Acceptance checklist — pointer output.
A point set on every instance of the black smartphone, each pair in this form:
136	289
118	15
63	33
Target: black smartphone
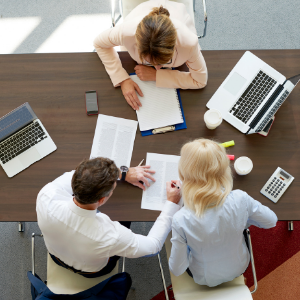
91	103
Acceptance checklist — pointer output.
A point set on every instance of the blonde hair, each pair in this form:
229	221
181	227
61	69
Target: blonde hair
156	37
205	174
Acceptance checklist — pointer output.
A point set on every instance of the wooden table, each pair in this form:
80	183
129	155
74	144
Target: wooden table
54	85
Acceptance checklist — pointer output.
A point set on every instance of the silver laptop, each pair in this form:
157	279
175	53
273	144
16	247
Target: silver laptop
251	94
23	140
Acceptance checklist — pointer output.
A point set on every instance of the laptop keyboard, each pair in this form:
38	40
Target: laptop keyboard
272	112
253	96
21	141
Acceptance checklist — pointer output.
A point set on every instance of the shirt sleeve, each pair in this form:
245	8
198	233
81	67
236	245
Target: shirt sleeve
104	44
133	245
196	78
259	215
179	258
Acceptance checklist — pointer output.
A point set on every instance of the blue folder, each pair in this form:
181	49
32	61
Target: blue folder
177	126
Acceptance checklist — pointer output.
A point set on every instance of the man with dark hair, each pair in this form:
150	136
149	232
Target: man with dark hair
86	241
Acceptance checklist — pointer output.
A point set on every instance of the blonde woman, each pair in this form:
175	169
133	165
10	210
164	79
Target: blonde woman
207	233
157	33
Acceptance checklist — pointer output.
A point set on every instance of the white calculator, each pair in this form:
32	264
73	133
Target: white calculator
277	185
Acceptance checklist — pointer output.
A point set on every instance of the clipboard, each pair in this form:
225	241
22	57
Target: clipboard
174	127
168	128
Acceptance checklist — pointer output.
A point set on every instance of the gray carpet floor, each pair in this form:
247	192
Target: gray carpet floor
264	24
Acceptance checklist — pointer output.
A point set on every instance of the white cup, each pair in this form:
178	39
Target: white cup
243	165
212	118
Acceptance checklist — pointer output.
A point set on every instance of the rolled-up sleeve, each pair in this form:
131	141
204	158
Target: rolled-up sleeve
133	245
258	214
104	44
196	78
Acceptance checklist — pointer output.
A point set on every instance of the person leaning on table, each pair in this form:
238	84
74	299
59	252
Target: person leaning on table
159	33
86	241
207	233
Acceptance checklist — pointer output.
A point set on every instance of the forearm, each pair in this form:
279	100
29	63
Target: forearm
181	80
134	245
259	215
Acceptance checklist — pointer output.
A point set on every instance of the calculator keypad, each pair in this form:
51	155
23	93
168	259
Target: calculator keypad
275	187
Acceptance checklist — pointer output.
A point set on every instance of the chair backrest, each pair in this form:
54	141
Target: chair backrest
129	5
63	281
185	288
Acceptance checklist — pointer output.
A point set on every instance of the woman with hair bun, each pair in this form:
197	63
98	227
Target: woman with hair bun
208	233
157	33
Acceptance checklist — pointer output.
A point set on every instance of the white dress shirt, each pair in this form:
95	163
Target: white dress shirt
85	239
213	247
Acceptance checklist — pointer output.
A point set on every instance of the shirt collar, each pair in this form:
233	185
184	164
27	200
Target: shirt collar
80	211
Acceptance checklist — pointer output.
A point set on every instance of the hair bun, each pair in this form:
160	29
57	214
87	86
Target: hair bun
159	11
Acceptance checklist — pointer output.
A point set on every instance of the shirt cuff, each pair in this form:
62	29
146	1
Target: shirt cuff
170	208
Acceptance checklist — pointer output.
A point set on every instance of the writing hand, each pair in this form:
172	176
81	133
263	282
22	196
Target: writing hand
173	193
129	88
145	73
137	174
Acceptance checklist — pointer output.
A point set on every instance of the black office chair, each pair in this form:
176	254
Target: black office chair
64	283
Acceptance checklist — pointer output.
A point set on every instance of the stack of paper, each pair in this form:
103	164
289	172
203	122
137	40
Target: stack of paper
160	106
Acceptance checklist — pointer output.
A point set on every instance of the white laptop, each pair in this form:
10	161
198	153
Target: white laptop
23	140
251	94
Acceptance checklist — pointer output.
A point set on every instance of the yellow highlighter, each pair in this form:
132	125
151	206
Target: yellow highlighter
227	144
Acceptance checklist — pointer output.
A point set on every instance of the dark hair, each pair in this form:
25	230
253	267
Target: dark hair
156	36
94	179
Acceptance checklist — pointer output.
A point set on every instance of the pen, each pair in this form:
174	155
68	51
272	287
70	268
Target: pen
139	166
174	184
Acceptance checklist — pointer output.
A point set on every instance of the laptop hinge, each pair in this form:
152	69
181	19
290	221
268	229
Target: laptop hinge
266	107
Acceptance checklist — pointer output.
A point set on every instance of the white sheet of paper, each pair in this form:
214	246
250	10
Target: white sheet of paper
166	169
160	106
114	138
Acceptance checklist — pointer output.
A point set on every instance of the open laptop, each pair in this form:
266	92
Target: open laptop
251	94
23	140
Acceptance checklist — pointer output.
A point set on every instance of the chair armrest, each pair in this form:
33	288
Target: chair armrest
205	21
32	251
113	12
252	261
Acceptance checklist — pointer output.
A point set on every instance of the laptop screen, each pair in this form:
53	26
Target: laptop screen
15	120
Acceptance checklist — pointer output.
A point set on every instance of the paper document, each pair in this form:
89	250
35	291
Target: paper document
160	106
114	138
166	169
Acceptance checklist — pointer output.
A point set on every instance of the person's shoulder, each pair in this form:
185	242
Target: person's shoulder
185	37
237	197
48	190
182	215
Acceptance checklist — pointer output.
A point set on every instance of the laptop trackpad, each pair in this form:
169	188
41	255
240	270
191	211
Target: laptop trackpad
234	83
29	157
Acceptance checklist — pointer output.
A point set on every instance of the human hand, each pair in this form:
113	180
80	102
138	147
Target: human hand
145	73
129	88
173	193
137	174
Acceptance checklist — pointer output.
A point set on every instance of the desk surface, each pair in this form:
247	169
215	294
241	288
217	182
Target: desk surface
54	85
